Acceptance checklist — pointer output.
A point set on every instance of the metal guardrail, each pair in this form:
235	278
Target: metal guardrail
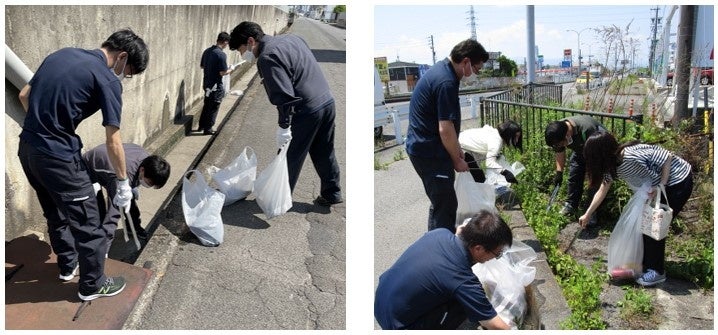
383	115
530	104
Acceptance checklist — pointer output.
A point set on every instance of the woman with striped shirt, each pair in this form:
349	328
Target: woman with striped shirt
638	164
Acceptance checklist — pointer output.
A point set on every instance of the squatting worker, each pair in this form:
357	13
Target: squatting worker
143	169
70	85
214	65
432	285
295	84
572	132
434	124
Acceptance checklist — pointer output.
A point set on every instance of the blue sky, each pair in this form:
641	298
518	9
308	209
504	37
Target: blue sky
404	31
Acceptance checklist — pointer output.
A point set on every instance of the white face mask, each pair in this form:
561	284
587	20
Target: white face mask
144	183
122	72
469	78
248	55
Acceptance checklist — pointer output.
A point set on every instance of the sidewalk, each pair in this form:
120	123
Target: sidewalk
34	297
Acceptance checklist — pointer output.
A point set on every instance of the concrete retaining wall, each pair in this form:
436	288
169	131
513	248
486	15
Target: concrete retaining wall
169	89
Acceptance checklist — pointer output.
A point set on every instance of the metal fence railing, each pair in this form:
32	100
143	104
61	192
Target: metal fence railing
534	105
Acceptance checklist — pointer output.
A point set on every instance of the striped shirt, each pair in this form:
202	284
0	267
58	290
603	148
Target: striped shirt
644	163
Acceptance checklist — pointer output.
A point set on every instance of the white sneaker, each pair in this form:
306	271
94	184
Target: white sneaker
71	275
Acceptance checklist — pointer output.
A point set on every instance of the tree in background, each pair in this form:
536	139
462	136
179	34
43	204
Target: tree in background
507	68
340	9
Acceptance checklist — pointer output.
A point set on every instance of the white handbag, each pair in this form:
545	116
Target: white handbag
657	217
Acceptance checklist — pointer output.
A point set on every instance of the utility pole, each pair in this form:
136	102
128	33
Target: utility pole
654	41
431	45
684	54
472	23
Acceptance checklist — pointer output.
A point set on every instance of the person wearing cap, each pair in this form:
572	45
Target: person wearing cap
486	144
295	84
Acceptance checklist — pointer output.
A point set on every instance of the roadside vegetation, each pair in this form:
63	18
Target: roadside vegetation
689	250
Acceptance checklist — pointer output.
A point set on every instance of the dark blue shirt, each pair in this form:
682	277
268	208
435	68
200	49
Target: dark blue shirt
435	98
431	272
213	61
70	85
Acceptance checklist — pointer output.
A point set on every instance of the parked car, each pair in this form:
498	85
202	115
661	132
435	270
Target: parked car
706	77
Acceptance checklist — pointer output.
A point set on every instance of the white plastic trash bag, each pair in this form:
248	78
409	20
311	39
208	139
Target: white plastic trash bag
274	196
236	180
472	197
493	176
505	281
625	246
202	208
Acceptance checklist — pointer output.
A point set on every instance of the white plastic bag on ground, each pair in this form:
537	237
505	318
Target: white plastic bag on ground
625	246
236	180
274	196
202	209
505	281
472	197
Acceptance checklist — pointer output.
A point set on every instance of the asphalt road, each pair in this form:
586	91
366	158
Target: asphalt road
284	273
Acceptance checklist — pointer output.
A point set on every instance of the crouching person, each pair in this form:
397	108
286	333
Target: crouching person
432	286
143	169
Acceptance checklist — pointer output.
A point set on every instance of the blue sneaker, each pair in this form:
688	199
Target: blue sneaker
651	278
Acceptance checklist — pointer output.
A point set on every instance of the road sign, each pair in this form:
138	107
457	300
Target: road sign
382	66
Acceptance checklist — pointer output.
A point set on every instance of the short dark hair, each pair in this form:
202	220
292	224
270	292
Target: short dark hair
487	229
223	37
469	48
126	40
242	32
555	132
157	169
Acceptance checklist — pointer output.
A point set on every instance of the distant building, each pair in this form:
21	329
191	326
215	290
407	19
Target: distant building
403	76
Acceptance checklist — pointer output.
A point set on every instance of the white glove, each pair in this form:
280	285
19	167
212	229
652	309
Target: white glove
124	195
283	136
96	187
136	193
232	67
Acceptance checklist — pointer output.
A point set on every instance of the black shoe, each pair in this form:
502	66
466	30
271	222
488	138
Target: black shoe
209	132
326	203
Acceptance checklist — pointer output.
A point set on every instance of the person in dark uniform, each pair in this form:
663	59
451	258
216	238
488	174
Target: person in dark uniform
70	85
572	132
434	124
214	64
143	169
432	285
295	84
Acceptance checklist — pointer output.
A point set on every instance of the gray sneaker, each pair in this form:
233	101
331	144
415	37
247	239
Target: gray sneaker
651	278
112	286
